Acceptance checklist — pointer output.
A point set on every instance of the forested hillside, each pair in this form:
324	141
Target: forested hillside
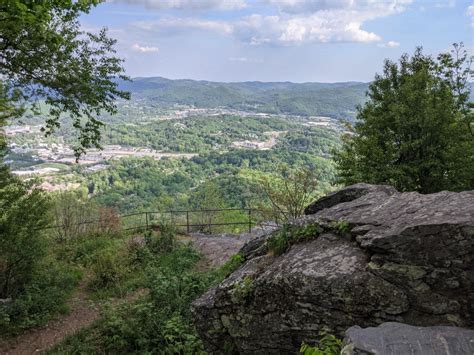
307	99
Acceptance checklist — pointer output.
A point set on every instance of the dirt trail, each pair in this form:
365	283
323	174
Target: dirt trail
216	250
82	313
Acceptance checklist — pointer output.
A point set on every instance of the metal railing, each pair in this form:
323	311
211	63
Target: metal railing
186	221
204	220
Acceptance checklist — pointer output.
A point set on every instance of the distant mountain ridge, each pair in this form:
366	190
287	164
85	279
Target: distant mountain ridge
338	100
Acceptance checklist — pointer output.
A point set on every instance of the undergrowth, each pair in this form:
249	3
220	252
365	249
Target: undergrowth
42	298
290	234
159	321
328	345
229	267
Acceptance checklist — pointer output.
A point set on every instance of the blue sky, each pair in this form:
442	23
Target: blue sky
278	40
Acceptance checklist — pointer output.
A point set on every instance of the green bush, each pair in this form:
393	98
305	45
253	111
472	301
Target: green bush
108	268
229	267
328	345
82	250
22	244
34	285
164	241
158	322
289	234
42	298
341	227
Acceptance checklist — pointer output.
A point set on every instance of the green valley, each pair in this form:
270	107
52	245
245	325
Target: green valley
158	156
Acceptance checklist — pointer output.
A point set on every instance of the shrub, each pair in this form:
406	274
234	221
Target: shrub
328	345
73	215
290	234
43	297
164	242
229	267
287	193
137	251
82	250
180	338
109	221
108	268
158	322
22	244
282	239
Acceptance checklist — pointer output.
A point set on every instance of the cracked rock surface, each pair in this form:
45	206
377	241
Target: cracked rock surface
406	258
396	338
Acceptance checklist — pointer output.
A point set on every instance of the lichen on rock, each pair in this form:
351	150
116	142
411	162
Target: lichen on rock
402	257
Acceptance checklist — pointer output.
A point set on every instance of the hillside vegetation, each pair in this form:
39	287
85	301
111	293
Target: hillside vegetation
204	145
307	99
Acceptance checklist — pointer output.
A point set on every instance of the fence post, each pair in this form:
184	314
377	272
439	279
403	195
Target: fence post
146	217
250	220
187	221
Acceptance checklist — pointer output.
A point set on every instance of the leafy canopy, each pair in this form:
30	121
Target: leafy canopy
22	215
415	132
46	57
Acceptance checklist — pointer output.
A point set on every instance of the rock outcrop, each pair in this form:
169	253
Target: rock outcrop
384	256
396	338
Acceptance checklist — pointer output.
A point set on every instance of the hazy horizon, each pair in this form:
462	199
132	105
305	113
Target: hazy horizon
254	81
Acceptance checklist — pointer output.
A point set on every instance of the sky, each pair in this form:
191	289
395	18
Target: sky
277	40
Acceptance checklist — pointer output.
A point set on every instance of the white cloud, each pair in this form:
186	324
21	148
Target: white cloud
389	44
446	4
299	21
245	60
336	24
187	4
470	12
144	49
179	24
311	6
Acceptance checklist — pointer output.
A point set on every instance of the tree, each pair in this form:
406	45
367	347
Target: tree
45	57
208	198
287	194
22	215
415	132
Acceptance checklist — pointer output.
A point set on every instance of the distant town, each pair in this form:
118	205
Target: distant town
50	157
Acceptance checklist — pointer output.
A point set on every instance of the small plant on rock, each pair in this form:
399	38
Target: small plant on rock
230	266
341	227
328	345
288	235
243	290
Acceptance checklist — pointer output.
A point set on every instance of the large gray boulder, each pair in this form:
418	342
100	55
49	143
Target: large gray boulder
396	338
405	257
347	194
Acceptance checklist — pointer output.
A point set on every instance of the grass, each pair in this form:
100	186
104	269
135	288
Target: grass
289	234
108	263
45	296
158	321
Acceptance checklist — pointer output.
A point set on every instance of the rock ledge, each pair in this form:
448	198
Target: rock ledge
407	258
